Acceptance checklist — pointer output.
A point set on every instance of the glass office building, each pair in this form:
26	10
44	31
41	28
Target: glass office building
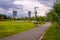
14	14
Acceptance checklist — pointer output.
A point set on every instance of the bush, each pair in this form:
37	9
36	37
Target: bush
2	17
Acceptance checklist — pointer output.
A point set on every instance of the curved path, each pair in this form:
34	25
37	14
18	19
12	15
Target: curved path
33	34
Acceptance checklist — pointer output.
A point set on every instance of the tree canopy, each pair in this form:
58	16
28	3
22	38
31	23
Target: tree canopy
2	17
54	15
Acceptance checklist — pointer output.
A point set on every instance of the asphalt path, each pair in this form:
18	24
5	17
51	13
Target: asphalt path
33	34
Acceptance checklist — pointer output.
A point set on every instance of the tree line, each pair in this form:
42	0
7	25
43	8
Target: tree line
54	15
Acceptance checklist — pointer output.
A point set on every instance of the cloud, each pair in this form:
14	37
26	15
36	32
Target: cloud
29	6
49	3
7	6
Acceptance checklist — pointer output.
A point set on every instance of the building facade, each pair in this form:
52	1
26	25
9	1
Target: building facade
14	14
29	14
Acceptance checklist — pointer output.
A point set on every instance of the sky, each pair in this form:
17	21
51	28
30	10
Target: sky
23	6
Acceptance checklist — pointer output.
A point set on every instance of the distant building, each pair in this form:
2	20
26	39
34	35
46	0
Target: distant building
29	14
14	14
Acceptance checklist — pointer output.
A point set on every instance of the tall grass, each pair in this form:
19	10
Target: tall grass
52	34
8	28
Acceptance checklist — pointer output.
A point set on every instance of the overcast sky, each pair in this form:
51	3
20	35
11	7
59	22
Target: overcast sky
7	6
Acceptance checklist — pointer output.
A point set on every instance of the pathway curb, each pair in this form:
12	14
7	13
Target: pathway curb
34	34
43	34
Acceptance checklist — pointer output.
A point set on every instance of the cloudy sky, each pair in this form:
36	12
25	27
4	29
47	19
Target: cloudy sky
22	6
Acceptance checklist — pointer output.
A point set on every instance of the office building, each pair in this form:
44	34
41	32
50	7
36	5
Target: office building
29	14
14	14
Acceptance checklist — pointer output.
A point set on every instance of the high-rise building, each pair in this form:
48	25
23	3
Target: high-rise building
14	14
29	14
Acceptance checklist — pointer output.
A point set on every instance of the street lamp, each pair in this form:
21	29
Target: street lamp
36	16
36	11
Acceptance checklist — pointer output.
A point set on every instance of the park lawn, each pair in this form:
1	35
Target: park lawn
8	28
52	34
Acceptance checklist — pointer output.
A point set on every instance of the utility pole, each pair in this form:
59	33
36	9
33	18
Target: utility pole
36	11
36	16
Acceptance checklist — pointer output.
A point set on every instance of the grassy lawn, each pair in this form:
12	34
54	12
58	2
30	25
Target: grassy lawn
8	28
52	34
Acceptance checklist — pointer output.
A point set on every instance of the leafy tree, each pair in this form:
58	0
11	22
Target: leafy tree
40	18
54	15
2	17
57	10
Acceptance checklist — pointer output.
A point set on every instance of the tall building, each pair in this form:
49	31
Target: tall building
14	14
29	14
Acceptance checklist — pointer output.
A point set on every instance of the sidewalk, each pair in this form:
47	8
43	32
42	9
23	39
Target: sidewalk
33	34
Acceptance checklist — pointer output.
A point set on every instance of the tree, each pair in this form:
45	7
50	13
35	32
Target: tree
57	10
40	18
54	15
2	17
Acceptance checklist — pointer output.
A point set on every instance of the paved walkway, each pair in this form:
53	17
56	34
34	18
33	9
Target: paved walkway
33	34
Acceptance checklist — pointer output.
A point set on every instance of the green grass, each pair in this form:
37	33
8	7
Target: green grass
8	28
52	34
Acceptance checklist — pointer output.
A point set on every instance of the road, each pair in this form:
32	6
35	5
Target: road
33	34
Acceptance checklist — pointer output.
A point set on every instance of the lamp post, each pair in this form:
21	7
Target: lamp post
36	12
36	16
